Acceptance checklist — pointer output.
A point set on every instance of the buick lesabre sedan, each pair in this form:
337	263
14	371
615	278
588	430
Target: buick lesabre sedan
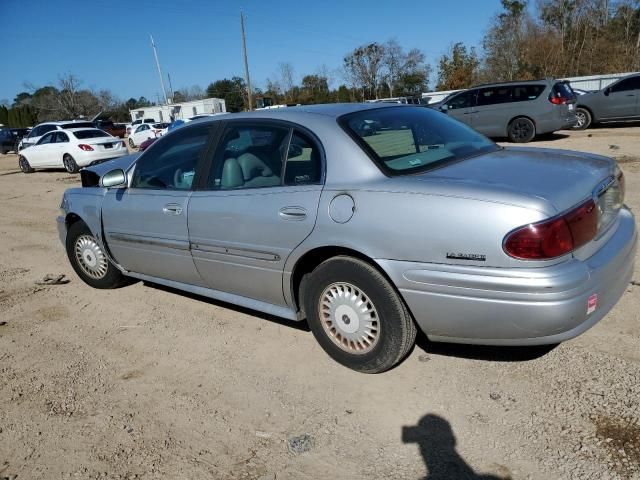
367	233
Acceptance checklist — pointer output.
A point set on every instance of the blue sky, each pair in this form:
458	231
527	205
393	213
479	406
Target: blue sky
106	42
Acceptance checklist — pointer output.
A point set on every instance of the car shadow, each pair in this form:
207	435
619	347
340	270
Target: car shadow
302	325
437	443
489	353
632	123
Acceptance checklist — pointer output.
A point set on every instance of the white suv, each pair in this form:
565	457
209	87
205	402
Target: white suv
43	128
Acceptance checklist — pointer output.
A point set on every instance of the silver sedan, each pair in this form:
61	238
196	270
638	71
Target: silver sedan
368	221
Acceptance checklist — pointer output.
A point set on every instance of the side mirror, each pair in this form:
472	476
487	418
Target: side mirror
607	91
114	178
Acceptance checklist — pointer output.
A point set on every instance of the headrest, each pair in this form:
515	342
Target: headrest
231	174
253	167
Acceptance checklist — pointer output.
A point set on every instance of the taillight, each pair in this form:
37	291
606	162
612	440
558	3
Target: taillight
86	148
621	186
554	237
558	100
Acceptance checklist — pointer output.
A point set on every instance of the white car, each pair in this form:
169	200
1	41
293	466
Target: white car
72	149
135	123
38	131
144	132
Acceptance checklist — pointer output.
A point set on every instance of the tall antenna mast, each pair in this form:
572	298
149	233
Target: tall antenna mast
155	54
246	62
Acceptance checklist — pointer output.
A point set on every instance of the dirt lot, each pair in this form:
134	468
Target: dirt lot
147	383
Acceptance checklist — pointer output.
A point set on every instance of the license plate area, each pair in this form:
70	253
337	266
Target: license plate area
107	145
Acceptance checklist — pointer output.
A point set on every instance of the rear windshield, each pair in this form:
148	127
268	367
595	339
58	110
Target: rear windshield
563	90
84	134
64	126
405	140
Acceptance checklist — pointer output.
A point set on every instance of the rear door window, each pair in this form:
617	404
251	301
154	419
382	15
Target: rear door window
494	95
303	165
61	137
524	93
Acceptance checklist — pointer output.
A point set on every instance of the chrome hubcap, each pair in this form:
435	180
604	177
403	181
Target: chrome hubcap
90	257
349	318
581	119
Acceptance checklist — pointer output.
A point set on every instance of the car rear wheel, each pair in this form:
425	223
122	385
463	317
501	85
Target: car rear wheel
70	164
23	163
521	130
584	119
131	144
356	315
89	260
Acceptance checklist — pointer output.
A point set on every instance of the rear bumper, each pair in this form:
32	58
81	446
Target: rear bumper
532	306
93	158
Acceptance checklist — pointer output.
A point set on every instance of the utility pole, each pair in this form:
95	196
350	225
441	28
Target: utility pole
246	62
155	54
170	87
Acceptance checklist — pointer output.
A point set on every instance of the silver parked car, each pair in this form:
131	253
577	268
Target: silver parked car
370	221
517	110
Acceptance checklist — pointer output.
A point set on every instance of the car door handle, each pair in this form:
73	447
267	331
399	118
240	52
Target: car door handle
292	213
172	209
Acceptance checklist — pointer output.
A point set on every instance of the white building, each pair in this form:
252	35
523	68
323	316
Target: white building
175	111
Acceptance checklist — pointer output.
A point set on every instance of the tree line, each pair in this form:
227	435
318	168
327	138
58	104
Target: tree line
555	38
551	38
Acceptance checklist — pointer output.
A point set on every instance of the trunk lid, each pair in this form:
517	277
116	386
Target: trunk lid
561	178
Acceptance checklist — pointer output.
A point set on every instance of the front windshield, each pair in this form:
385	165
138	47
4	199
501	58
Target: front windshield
403	140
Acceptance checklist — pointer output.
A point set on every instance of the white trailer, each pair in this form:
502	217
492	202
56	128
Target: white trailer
182	111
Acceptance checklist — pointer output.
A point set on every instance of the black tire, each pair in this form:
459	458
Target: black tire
521	130
23	163
395	331
70	164
584	119
105	275
131	144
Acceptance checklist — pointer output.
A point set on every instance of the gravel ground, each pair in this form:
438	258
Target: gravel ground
145	382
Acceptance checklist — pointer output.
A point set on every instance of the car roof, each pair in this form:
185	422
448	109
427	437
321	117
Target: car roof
81	129
547	81
63	122
331	110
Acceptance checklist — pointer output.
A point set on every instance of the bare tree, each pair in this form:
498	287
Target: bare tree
286	81
365	66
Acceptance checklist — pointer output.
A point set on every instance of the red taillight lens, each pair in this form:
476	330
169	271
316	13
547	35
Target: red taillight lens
86	148
558	100
554	237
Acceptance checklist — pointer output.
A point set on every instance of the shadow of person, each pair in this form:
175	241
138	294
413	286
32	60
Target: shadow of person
437	444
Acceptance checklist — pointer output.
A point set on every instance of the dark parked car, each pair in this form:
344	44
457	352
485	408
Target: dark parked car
517	110
619	101
115	129
10	138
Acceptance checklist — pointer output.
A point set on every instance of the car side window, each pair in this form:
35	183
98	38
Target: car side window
47	128
494	95
47	138
463	100
249	156
627	84
171	163
303	164
61	137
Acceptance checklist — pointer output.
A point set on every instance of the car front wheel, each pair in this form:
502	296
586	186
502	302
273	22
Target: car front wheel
583	119
89	260
356	315
24	165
